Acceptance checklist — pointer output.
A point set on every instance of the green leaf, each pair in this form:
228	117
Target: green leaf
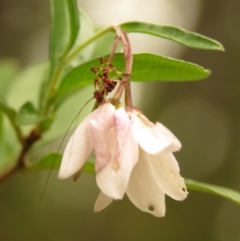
178	35
45	124
9	149
53	161
150	67
89	167
9	145
8	70
1	126
27	115
85	33
146	67
11	114
64	27
213	189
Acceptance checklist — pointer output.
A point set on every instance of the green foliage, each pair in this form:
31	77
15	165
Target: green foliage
51	161
64	32
64	27
54	160
11	114
175	34
10	137
146	67
100	46
27	115
10	133
46	123
213	189
1	126
72	53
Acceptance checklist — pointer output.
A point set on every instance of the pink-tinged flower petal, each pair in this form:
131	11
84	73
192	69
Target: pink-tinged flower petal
78	149
102	135
166	171
113	179
143	190
102	202
151	137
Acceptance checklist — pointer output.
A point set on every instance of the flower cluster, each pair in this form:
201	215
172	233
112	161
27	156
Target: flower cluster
133	156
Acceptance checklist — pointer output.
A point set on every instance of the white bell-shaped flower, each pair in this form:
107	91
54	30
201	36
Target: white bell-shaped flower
109	132
133	155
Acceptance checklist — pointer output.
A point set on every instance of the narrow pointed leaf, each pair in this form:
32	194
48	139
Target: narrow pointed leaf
146	67
27	115
175	34
11	114
213	189
64	27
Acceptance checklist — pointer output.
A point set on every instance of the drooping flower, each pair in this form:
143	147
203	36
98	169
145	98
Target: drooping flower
133	155
109	132
157	172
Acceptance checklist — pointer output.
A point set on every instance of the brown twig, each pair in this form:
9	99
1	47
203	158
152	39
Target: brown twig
115	44
27	143
127	51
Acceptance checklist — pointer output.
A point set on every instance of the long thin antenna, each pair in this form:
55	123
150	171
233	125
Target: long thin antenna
48	177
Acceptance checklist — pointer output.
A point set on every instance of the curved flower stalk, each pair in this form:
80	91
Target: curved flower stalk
133	156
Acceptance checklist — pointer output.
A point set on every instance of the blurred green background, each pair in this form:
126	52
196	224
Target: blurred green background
204	115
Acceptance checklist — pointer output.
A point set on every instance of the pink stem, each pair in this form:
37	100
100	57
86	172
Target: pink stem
127	50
